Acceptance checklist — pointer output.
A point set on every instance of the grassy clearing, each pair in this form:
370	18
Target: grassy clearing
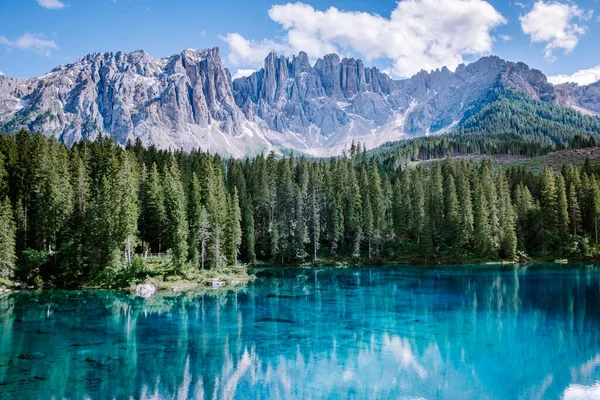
162	273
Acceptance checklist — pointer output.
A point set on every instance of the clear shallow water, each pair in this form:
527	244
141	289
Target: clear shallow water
453	332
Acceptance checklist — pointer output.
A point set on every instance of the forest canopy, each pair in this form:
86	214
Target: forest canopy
85	214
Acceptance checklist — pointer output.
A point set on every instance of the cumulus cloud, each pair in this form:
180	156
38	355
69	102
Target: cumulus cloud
51	4
555	24
243	72
31	41
419	34
581	77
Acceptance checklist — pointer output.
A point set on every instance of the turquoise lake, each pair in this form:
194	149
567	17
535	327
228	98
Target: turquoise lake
468	332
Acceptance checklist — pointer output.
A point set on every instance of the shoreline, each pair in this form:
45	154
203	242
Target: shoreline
226	282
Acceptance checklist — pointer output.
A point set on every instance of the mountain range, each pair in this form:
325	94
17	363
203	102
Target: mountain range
189	100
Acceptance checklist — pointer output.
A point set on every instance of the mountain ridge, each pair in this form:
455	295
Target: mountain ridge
189	100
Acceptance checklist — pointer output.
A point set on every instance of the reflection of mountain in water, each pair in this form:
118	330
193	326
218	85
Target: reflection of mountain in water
363	333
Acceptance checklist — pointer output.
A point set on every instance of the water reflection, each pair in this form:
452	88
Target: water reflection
375	333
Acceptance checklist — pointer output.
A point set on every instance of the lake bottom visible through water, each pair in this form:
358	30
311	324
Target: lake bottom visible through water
460	332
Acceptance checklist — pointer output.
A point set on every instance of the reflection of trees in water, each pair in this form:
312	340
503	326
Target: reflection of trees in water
364	333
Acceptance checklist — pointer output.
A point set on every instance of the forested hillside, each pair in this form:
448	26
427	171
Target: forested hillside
504	122
80	215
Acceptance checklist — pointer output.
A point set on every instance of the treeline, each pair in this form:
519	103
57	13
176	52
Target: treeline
76	215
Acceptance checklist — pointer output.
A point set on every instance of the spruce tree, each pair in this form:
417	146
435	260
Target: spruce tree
465	209
129	209
548	206
314	210
574	210
155	210
507	220
175	213
482	230
451	212
562	209
7	240
234	230
377	199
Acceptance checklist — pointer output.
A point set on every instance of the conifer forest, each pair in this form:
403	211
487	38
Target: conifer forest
96	211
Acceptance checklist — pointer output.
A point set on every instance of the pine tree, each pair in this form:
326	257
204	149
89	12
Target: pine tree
354	213
195	208
506	213
300	208
574	210
314	210
418	205
595	208
548	205
335	206
482	231
7	240
234	233
127	192
216	207
562	209
466	209
524	208
378	201
175	212
155	210
491	199
451	212
248	213
436	200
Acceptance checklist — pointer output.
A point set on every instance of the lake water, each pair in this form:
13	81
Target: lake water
376	333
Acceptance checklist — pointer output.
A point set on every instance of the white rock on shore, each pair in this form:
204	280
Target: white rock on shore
145	290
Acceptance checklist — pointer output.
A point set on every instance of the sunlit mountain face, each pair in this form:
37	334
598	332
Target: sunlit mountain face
452	332
189	101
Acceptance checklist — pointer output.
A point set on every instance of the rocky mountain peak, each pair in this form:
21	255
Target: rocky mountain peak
189	100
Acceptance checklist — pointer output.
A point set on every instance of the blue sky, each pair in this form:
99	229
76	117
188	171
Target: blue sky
559	38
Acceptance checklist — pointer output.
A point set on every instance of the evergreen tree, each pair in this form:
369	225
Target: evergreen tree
548	205
216	207
175	213
482	229
378	201
418	205
249	236
314	210
465	210
7	240
574	210
507	223
196	210
524	208
451	211
562	209
354	213
128	196
234	234
155	210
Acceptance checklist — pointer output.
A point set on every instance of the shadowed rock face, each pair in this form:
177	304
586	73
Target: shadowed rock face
188	101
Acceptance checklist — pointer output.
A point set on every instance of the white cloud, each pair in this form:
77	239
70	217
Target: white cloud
582	77
1	73
32	41
51	4
243	72
506	38
419	34
553	23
